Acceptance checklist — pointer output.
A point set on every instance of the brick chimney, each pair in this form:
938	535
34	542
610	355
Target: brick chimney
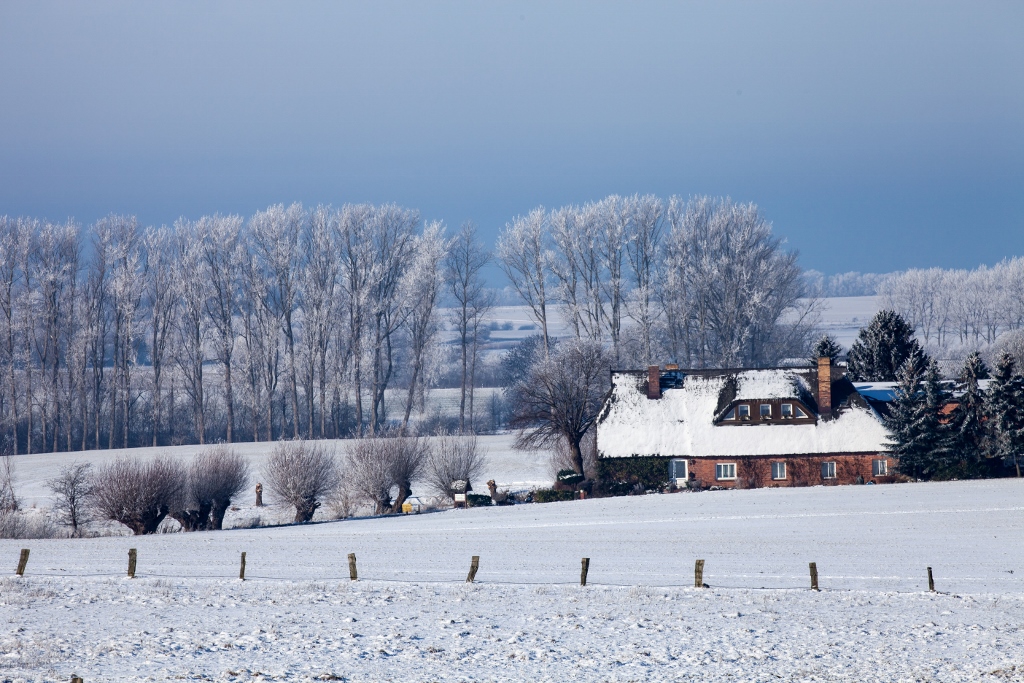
825	387
653	381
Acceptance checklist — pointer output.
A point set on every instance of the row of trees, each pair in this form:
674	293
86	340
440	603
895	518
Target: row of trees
702	281
293	323
301	474
984	429
949	308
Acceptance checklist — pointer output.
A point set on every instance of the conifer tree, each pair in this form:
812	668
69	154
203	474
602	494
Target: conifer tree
967	421
918	439
826	346
1004	408
882	348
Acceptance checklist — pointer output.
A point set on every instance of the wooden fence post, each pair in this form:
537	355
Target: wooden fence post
474	564
133	555
352	574
931	581
241	571
698	574
76	679
22	561
814	576
584	570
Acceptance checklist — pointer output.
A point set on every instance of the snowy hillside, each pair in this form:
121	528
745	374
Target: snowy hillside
411	618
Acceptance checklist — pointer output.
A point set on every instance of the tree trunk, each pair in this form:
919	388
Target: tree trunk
229	390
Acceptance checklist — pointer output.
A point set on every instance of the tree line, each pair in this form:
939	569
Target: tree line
701	281
293	323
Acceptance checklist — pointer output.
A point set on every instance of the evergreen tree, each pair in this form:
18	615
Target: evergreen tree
882	348
967	421
918	439
1004	408
826	346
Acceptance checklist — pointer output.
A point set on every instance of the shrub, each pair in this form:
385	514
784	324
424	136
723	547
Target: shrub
620	476
139	495
453	458
71	490
302	474
214	478
378	466
8	500
19	524
476	500
551	495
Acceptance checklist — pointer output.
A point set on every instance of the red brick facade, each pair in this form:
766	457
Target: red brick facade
799	470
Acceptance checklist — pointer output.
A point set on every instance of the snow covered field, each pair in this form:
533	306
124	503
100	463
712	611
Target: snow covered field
410	617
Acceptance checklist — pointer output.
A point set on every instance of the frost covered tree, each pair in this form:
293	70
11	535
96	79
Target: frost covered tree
302	474
882	348
466	258
643	250
319	289
72	490
1004	410
421	287
561	396
192	322
160	296
524	256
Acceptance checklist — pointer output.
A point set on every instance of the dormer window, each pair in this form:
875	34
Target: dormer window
787	411
731	415
766	411
800	413
743	411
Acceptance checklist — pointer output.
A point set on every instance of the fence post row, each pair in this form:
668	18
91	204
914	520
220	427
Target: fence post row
698	575
352	574
133	555
22	562
814	576
584	570
474	564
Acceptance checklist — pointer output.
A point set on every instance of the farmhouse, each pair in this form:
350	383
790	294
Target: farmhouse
740	428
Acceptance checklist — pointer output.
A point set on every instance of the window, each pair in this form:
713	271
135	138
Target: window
787	411
677	470
800	412
725	470
778	470
743	411
828	470
766	411
879	468
731	415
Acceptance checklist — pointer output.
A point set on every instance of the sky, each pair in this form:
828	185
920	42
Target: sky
874	136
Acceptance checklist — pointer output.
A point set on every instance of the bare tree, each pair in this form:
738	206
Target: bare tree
357	272
160	293
139	495
463	265
8	498
14	245
72	489
561	397
302	474
524	257
193	328
643	250
319	284
453	458
420	289
381	469
221	252
215	477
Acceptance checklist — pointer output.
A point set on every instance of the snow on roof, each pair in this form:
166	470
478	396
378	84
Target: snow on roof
681	423
765	384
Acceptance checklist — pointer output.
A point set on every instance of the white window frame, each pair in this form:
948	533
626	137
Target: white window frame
880	464
673	471
782	466
798	411
830	466
782	411
761	412
719	469
743	408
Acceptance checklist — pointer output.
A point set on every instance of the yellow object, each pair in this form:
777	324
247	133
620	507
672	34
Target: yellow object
406	508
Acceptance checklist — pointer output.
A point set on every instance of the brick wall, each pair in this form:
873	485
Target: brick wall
756	471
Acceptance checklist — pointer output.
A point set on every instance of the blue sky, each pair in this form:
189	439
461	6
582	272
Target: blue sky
875	136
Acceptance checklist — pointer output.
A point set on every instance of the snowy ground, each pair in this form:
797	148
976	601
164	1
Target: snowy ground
410	617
